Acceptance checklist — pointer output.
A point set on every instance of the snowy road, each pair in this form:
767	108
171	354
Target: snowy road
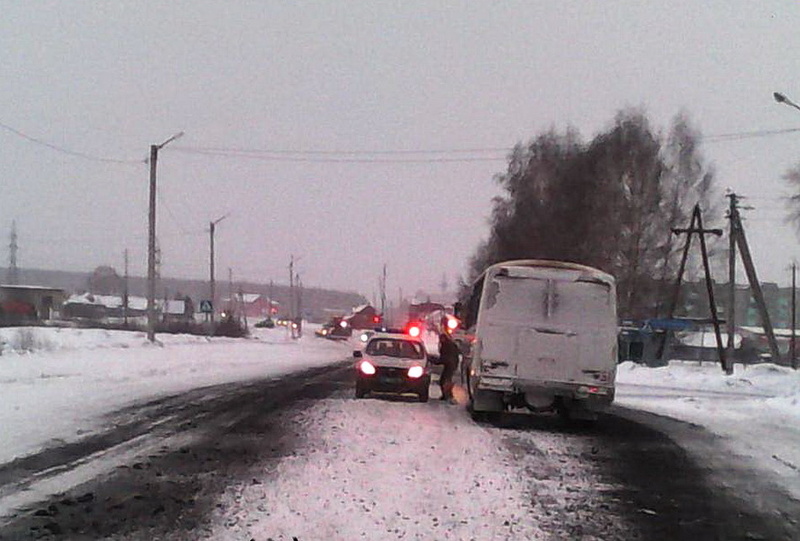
107	437
297	456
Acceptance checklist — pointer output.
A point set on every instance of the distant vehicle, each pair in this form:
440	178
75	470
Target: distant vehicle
365	335
335	329
393	362
266	324
323	331
540	335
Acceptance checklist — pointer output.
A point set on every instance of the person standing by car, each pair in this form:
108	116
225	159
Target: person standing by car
448	358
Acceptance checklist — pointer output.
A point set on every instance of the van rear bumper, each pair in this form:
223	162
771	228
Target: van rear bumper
514	390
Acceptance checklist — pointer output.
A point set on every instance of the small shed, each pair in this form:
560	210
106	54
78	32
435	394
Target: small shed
21	304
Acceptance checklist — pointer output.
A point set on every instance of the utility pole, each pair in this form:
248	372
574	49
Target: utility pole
151	241
271	300
212	286
696	228
299	306
291	295
13	272
165	311
794	315
731	315
383	291
242	309
125	299
755	285
231	301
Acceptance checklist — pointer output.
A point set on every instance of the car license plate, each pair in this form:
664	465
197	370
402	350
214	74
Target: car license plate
387	379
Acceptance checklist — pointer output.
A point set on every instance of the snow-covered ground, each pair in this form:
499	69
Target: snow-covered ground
363	468
56	384
755	411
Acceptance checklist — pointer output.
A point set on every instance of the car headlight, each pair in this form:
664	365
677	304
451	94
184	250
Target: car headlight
367	368
415	372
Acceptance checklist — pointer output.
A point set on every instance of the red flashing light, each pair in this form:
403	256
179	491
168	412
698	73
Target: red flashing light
414	331
452	324
376	319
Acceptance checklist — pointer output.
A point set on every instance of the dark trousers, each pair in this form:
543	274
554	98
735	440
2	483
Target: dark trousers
446	379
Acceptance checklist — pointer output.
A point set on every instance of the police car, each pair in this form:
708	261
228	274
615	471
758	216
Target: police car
393	361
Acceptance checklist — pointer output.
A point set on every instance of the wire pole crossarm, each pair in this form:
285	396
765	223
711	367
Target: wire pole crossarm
690	230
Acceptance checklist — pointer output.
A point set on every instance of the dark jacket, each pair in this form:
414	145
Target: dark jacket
448	351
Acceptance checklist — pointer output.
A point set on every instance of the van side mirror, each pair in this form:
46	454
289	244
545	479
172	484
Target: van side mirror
357	354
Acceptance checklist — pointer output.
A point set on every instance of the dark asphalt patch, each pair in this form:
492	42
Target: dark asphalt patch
169	494
674	497
652	488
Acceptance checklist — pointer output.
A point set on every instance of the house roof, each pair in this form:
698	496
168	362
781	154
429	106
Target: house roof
30	288
361	308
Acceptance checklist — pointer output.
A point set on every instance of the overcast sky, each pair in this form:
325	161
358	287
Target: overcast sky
108	79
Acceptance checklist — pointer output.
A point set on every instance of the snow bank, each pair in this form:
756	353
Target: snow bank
58	383
755	411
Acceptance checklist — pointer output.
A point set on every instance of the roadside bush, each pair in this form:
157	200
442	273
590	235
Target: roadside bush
231	328
27	340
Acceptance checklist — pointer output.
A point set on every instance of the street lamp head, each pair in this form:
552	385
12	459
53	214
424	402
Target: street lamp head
780	98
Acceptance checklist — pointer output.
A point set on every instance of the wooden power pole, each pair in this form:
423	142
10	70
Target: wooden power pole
737	231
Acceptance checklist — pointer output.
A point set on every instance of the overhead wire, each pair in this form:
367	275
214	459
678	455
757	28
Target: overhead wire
63	150
332	157
443	155
737	136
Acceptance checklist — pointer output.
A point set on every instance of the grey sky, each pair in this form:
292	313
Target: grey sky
108	79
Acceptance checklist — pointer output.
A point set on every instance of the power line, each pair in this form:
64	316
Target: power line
738	136
345	152
323	157
443	155
65	150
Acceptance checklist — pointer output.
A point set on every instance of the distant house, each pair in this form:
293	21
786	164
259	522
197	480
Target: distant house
177	310
420	310
112	309
252	305
19	304
363	317
84	306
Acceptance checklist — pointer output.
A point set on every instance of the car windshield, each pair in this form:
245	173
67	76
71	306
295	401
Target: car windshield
392	347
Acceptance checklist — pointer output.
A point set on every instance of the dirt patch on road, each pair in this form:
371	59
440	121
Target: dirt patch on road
170	493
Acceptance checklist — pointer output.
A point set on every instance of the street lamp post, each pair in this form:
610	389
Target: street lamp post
781	98
212	227
151	245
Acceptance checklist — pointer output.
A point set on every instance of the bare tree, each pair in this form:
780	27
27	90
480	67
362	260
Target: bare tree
610	203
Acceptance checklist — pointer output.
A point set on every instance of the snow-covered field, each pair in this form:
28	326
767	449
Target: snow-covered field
364	469
56	384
